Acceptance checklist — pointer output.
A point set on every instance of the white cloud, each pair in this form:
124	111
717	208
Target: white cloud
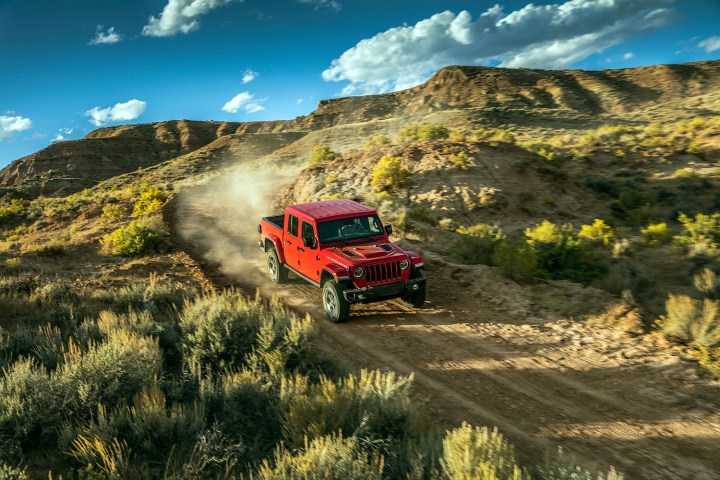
536	36
129	110
246	101
628	56
298	101
105	37
249	76
710	44
333	4
180	16
10	125
60	136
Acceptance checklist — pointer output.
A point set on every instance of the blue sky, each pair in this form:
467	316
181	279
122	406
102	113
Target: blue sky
67	68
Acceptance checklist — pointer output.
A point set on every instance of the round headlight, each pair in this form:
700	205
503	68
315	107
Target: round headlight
358	272
405	264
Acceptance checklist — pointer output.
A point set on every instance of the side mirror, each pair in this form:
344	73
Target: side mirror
388	229
309	242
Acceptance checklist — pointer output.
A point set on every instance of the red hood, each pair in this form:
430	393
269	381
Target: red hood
356	253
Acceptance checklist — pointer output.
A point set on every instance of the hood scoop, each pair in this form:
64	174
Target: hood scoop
368	251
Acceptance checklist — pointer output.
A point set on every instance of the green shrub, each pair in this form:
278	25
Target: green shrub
701	229
112	212
8	472
214	455
221	332
151	428
378	141
134	239
709	359
149	200
458	157
424	132
374	405
517	261
110	371
31	406
389	174
696	322
559	468
242	402
104	459
423	214
477	243
14	210
322	153
323	458
477	453
599	232
656	234
560	254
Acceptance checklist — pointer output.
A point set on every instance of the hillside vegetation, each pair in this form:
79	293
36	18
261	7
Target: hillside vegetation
121	360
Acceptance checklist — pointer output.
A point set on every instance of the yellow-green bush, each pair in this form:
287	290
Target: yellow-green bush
13	210
477	243
424	132
656	234
599	232
701	229
322	153
133	239
560	254
478	453
378	141
112	212
324	458
458	157
696	322
148	201
517	261
389	173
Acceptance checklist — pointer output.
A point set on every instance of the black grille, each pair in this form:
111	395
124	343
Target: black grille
383	272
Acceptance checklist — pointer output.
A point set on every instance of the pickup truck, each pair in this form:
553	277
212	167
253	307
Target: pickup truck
342	247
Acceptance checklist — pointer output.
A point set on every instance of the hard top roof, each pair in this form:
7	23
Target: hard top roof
331	208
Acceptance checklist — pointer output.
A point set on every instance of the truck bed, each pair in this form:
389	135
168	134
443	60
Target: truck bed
275	220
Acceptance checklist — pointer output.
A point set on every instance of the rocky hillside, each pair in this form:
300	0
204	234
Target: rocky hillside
523	99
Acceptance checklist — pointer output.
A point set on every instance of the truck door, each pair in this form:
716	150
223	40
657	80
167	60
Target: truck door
309	261
292	242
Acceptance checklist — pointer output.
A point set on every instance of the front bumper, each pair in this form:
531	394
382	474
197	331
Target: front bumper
383	292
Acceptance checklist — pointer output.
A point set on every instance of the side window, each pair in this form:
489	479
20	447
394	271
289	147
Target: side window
307	230
293	226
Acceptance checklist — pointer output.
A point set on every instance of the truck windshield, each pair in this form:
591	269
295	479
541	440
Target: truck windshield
349	228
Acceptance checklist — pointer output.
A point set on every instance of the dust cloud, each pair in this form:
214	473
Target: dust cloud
219	218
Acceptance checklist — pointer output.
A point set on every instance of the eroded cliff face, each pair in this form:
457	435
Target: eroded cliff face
69	166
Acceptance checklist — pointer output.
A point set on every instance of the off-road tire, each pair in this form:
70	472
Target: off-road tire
276	270
417	298
336	307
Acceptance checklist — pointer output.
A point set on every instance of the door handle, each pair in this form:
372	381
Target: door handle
300	249
288	242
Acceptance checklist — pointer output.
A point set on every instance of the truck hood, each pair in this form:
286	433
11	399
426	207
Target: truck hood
354	253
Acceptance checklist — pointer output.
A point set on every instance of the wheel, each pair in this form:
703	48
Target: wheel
336	307
417	298
277	272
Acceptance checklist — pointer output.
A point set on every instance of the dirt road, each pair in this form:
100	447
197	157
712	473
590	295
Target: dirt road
482	351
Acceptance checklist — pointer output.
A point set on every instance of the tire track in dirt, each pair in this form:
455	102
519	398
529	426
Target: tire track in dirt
540	394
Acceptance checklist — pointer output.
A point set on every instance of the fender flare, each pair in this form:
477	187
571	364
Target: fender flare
338	273
415	260
277	244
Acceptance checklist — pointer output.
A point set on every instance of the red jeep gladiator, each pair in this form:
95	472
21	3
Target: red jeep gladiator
342	247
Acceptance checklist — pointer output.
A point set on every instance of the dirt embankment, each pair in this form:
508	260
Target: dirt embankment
483	351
